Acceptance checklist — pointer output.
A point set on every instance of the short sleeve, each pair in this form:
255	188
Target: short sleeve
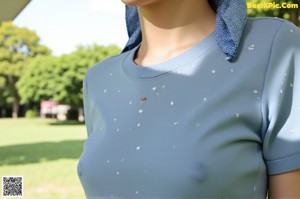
86	107
281	102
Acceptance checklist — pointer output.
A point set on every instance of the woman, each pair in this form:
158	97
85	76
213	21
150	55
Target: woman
202	103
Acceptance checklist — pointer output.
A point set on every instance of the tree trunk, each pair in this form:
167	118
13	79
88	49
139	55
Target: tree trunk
295	16
3	112
14	93
15	107
80	115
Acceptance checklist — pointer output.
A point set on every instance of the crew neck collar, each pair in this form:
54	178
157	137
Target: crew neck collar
156	70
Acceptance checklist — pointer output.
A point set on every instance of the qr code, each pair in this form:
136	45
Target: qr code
12	186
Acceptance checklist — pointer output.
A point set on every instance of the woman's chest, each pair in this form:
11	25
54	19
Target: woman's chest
178	136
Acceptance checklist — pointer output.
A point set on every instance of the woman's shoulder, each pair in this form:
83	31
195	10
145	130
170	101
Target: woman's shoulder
271	21
106	65
272	32
269	25
266	19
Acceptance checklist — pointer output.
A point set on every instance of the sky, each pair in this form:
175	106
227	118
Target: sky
64	24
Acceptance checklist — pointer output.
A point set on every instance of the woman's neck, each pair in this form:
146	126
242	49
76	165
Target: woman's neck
170	27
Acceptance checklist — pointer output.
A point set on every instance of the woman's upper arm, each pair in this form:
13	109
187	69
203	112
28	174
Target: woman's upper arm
281	142
285	185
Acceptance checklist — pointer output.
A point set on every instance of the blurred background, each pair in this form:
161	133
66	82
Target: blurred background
46	47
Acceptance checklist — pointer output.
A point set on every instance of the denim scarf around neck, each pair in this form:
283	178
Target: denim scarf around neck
231	16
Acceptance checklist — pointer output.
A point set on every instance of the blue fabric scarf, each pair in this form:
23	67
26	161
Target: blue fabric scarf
231	16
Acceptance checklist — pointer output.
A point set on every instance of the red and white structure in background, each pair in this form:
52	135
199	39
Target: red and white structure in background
52	108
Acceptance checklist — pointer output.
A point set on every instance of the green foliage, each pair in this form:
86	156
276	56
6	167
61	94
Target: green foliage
60	78
292	14
34	84
17	47
31	113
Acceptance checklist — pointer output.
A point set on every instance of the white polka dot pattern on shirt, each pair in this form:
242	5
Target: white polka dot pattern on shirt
251	47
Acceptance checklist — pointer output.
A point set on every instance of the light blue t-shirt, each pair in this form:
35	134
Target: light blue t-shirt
195	126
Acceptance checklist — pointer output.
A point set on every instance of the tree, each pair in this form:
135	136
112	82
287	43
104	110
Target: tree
39	80
60	78
17	47
292	14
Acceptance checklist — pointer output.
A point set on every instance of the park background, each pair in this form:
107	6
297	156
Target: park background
44	148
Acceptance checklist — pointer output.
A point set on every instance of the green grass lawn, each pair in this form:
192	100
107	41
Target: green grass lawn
45	153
